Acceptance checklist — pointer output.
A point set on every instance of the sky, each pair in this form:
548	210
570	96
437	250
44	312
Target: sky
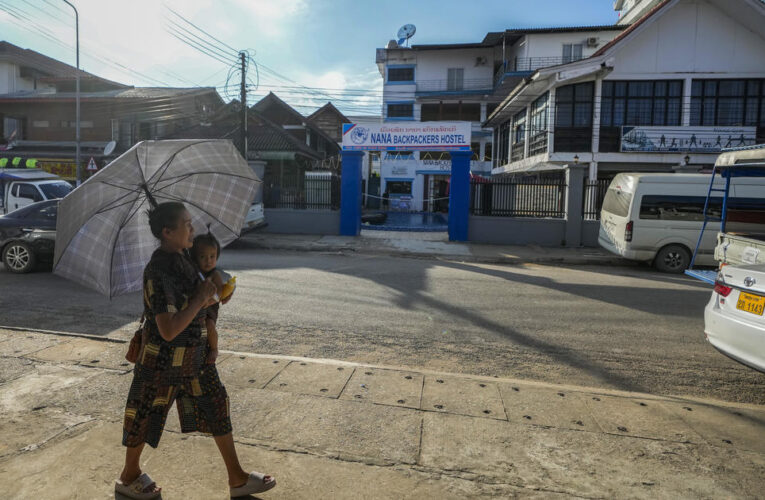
305	51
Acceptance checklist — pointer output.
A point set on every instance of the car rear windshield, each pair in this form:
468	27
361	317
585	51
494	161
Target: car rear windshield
617	202
55	190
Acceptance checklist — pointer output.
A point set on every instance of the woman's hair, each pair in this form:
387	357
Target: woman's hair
205	240
165	215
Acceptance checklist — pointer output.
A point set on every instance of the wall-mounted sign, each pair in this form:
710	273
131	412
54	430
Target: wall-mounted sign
398	168
685	139
442	165
425	136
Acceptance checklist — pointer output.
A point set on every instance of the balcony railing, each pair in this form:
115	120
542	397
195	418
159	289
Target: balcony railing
528	64
466	85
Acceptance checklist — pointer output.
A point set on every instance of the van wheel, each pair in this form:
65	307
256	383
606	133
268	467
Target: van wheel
18	257
672	259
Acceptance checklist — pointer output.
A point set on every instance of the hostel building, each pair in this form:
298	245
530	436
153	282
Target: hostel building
465	82
685	79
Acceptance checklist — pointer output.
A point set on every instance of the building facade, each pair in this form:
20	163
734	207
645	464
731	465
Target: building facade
38	111
683	81
465	82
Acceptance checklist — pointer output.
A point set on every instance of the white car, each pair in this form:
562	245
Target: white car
733	319
255	218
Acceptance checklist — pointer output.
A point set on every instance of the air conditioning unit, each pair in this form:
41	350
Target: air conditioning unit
592	41
480	60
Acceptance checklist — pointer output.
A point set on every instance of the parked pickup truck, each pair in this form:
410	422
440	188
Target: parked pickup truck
743	242
739	249
20	187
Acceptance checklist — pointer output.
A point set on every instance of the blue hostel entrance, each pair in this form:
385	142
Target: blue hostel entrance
443	203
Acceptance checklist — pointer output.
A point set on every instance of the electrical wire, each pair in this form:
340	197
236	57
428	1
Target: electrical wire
200	29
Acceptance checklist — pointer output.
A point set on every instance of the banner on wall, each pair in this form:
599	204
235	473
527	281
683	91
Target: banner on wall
425	136
686	139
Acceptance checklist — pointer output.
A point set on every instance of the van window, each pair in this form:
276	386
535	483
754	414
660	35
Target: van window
691	208
617	202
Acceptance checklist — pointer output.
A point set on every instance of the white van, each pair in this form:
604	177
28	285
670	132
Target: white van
658	217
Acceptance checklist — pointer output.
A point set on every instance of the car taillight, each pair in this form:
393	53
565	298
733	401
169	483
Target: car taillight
722	289
628	232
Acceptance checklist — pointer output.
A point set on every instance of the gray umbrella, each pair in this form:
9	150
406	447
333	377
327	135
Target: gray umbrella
103	239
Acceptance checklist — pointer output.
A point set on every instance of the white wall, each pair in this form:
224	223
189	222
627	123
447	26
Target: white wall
433	64
692	37
551	44
10	81
632	10
7	77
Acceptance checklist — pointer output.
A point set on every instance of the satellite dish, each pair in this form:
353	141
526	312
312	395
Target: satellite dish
109	149
406	32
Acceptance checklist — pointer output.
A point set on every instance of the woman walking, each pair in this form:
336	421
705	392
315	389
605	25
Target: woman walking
172	367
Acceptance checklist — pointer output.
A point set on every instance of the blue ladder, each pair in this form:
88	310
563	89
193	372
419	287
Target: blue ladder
704	275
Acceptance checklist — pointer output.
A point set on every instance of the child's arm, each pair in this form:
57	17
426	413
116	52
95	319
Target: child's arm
212	340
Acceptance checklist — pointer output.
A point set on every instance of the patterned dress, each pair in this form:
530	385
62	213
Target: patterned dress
175	370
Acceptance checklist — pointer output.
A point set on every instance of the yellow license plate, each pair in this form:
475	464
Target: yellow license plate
751	303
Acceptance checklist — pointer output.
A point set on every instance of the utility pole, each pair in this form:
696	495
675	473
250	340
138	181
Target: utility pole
243	126
77	95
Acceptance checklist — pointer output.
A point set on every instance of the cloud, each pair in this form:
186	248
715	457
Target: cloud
270	17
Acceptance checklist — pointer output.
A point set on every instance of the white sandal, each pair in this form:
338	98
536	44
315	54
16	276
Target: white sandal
137	489
255	484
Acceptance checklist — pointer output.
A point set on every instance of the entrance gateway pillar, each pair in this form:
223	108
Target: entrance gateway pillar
459	196
350	193
453	137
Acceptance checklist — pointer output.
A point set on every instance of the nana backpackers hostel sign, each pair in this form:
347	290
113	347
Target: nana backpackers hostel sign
685	139
427	136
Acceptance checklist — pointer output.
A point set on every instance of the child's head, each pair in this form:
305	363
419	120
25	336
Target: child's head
171	222
205	252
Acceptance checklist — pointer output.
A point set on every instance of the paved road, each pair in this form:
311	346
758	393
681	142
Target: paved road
622	328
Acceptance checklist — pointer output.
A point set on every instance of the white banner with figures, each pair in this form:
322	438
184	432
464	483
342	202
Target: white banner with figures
686	139
403	136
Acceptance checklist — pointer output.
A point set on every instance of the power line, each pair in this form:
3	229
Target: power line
200	29
199	40
108	60
30	25
196	46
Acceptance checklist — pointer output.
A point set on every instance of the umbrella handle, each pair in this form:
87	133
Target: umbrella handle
202	277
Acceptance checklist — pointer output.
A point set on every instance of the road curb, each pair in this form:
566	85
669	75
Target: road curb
428	372
552	260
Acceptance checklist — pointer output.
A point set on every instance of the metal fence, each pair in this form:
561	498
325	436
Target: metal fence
592	199
519	197
316	191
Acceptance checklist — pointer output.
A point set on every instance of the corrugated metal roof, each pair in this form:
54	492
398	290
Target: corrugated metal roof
45	64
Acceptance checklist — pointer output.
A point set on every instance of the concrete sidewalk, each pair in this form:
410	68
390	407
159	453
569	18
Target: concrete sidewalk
330	429
431	245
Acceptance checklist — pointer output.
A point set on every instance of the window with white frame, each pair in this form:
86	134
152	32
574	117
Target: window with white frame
538	125
518	147
455	79
572	52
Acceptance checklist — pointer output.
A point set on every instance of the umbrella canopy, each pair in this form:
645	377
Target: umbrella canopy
103	239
